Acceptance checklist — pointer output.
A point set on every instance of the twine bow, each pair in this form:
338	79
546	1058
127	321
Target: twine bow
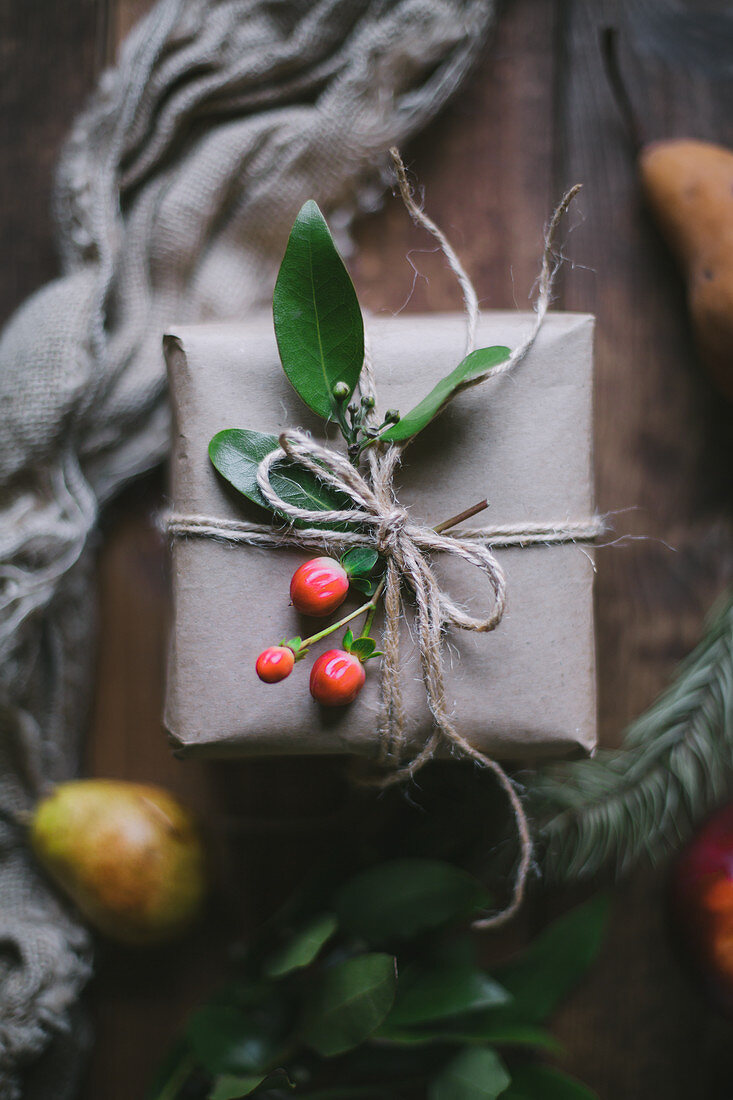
404	545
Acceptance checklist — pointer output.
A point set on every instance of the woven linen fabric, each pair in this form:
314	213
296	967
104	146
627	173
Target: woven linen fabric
174	197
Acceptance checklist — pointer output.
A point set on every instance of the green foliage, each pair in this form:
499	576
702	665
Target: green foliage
316	1008
450	985
555	961
320	336
303	948
348	1003
544	1083
474	1074
318	323
473	369
675	767
399	899
227	1087
359	561
237	452
225	1039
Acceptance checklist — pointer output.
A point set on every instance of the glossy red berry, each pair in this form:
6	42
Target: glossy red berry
337	677
275	663
319	586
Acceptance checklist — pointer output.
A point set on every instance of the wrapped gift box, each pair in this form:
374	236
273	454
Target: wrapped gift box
527	690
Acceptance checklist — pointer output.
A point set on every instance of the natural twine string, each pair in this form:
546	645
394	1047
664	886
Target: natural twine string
404	546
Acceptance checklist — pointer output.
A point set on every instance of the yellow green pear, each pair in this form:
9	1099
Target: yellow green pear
128	854
689	187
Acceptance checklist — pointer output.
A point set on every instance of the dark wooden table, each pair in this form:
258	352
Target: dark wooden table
536	117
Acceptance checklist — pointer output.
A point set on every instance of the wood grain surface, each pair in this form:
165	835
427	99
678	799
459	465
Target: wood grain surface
535	117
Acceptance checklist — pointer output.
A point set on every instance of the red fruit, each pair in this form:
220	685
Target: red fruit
275	663
337	677
703	896
319	587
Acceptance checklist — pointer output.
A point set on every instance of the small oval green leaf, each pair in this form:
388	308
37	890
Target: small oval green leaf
237	452
349	1003
468	372
303	948
318	323
363	648
359	561
477	1073
364	584
399	899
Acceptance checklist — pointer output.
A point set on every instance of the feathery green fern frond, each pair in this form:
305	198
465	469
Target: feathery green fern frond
644	799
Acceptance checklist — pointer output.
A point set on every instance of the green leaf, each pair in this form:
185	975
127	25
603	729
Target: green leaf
478	1029
364	584
348	640
364	648
398	899
303	948
446	991
237	452
474	1074
468	372
543	1083
318	323
450	984
226	1040
555	961
359	561
228	1087
349	1003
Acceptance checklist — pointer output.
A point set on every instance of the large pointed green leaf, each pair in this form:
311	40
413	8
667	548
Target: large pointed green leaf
544	1083
349	1003
477	1073
303	948
399	899
554	962
237	452
468	372
318	323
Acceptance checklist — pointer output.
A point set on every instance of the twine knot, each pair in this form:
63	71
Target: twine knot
390	530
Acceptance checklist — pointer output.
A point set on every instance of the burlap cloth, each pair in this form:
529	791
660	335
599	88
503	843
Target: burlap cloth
175	193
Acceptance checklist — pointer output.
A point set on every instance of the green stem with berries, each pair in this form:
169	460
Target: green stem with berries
369	606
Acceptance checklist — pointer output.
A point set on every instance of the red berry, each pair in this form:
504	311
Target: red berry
703	896
319	587
337	677
275	663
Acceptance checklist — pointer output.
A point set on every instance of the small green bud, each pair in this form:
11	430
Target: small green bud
391	416
340	391
367	401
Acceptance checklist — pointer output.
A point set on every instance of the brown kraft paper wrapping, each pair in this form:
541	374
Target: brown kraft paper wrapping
526	690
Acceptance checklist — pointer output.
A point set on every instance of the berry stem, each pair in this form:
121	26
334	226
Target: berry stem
372	610
369	606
